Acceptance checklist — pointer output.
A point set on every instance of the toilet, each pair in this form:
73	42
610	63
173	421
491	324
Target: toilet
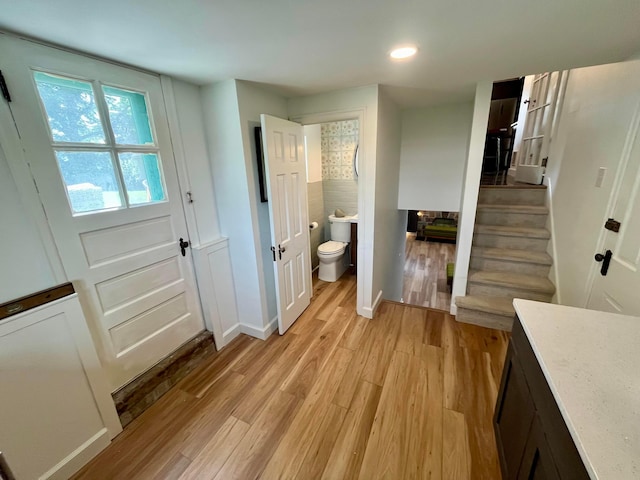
333	260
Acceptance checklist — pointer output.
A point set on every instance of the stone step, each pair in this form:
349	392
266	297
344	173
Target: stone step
485	311
512	215
512	195
510	285
510	260
522	238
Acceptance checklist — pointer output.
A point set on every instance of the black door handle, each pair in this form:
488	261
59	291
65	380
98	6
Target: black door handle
281	250
605	259
183	247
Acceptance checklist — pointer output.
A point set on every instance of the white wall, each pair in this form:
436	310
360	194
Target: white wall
313	152
390	222
25	266
253	101
598	109
470	189
361	103
433	156
223	129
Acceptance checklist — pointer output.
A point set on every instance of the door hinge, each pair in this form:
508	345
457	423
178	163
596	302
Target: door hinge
4	89
612	225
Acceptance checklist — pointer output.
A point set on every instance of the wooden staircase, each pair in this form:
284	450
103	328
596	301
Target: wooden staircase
508	256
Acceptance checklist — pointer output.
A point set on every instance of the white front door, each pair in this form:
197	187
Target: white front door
96	139
619	290
287	191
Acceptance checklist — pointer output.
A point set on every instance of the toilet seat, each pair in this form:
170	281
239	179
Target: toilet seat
331	247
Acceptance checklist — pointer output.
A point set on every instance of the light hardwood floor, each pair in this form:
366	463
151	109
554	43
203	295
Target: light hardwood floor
425	273
407	395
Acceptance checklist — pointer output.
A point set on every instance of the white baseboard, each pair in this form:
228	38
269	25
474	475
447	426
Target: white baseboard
79	457
261	333
453	309
230	334
369	312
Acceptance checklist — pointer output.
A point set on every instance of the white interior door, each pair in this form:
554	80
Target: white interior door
286	170
619	290
538	125
96	140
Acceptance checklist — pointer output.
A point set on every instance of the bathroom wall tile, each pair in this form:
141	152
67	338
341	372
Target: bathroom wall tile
324	142
349	127
325	157
347	157
334	172
335	144
325	172
346	172
334	128
335	158
324	129
349	142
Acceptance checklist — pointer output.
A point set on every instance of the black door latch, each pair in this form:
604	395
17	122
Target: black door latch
605	259
183	247
612	225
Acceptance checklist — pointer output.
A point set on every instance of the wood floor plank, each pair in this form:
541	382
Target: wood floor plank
255	449
433	328
294	446
353	334
308	368
385	455
387	331
323	440
212	457
455	446
348	451
412	325
174	467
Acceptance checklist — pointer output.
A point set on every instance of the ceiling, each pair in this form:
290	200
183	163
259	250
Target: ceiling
301	47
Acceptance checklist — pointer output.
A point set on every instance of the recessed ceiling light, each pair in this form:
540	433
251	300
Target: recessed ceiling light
403	52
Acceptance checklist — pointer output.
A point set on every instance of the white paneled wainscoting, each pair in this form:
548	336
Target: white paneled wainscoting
56	411
217	292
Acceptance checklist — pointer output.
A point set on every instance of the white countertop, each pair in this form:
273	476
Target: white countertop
591	361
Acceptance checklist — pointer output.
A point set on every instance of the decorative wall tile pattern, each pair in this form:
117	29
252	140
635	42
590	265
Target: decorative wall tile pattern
338	143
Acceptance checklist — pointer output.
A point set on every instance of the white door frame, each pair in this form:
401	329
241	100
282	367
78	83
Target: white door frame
364	272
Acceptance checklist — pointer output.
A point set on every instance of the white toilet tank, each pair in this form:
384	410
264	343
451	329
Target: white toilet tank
340	228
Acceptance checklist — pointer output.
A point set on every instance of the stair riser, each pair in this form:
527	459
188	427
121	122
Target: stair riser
490	264
501	241
508	292
483	319
512	196
485	217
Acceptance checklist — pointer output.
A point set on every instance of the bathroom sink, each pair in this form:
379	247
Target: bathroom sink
354	218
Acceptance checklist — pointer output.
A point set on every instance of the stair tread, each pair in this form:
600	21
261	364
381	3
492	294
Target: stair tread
520	186
529	232
513	255
530	209
488	304
513	280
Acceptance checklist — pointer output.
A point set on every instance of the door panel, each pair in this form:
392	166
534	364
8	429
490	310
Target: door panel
97	142
618	291
286	170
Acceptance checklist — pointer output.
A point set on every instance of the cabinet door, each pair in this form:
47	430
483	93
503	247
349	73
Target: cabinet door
537	462
515	412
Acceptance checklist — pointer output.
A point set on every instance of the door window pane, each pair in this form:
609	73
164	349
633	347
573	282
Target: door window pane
142	177
90	180
129	116
70	108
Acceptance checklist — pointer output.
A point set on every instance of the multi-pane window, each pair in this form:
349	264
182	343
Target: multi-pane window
103	143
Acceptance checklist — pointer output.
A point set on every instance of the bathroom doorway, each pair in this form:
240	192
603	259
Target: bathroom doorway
332	189
429	258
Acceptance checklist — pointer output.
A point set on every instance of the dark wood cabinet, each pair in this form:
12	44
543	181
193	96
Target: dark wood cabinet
354	249
532	438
